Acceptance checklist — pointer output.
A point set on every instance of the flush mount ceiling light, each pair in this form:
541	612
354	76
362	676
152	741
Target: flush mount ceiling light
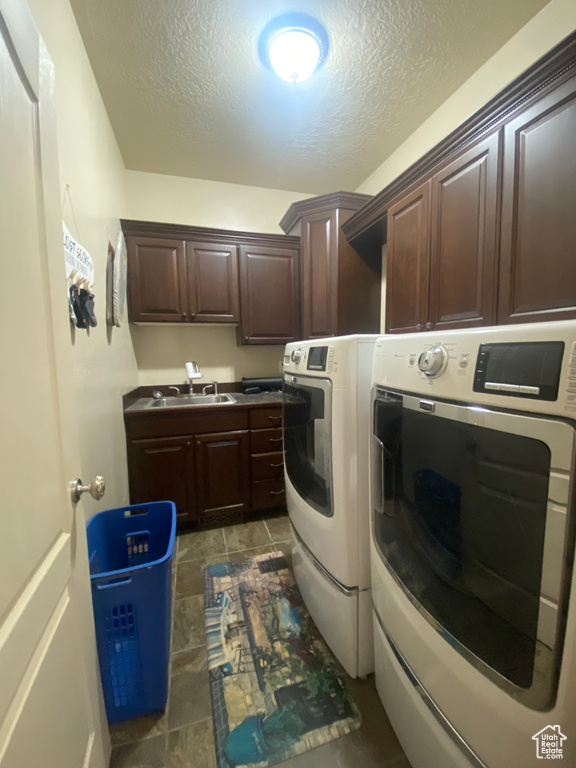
294	45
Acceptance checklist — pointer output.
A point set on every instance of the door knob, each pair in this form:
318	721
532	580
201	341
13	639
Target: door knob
96	489
429	326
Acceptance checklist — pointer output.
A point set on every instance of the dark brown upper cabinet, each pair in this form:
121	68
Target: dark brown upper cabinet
408	256
441	256
340	289
157	280
270	296
463	247
319	276
538	243
175	281
181	274
213	282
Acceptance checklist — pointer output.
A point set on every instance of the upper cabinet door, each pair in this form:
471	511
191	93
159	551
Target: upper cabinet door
538	242
157	280
319	235
212	282
407	262
269	295
463	240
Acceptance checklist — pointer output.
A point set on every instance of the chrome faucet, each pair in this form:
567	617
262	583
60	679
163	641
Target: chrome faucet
212	384
178	393
192	372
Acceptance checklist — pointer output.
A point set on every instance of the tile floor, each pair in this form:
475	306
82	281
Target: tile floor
182	736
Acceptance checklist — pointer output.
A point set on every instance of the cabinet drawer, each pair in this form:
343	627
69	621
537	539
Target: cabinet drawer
186	421
267	465
265	441
268	493
260	418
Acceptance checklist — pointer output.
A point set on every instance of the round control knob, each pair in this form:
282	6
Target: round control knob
296	356
433	361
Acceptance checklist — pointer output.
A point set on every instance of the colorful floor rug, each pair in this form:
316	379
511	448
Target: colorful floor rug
276	688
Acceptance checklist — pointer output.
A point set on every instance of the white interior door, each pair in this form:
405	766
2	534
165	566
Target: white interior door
51	711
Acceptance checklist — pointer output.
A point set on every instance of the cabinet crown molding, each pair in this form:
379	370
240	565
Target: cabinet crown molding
135	228
348	200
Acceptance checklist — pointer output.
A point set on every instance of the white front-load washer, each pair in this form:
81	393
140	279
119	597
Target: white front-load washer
472	549
326	452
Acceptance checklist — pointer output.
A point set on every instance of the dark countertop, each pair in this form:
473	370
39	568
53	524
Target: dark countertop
262	399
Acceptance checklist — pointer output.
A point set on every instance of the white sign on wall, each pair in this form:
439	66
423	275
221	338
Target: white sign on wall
79	264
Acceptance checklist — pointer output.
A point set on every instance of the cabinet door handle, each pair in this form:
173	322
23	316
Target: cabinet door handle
419	327
275	418
277	465
192	316
184	315
429	326
276	493
275	439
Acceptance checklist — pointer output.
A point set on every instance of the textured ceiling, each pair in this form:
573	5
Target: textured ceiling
187	94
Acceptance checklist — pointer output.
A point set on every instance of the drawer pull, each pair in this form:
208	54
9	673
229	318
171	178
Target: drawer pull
274	439
275	418
276	493
277	465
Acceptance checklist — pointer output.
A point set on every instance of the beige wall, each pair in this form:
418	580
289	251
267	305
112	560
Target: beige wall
162	352
104	365
548	28
177	200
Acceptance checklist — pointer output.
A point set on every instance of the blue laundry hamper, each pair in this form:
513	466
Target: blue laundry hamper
130	552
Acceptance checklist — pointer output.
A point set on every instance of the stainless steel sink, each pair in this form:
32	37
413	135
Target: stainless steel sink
188	401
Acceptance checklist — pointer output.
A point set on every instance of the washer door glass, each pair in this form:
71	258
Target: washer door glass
467	522
307	439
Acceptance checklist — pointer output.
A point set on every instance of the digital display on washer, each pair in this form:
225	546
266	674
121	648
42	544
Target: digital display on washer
317	359
523	369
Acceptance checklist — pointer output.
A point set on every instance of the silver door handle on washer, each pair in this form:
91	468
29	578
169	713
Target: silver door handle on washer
378	475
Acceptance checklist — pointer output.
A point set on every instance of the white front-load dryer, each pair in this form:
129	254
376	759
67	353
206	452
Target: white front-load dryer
473	537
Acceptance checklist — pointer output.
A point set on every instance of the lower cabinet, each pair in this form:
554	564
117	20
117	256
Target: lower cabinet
221	473
162	468
267	458
216	466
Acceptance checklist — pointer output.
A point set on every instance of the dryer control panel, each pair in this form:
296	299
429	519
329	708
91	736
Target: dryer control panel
315	359
342	359
528	367
520	369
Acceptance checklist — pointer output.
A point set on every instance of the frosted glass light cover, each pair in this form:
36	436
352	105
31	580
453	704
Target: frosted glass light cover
294	55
